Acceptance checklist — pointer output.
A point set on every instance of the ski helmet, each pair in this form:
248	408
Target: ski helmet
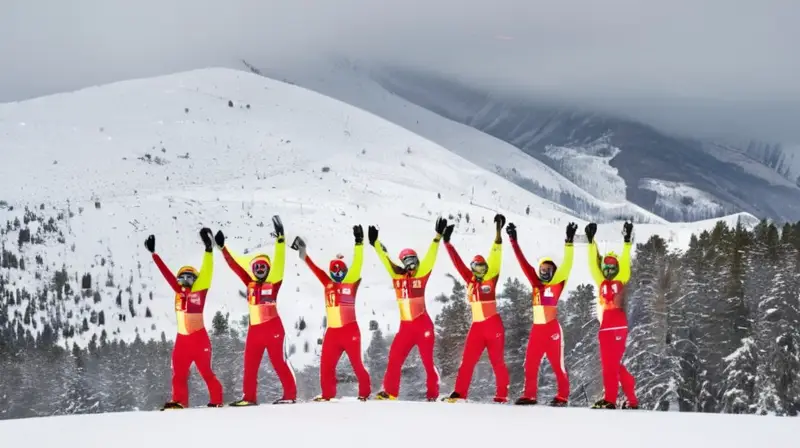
409	259
610	265
338	269
260	266
478	266
547	269
186	276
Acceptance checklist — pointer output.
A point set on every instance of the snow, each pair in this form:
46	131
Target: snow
681	198
591	165
354	424
364	87
167	155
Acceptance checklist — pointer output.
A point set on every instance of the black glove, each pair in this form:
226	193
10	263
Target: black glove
358	233
300	246
448	231
373	235
571	229
511	230
276	222
205	235
150	243
627	229
590	230
220	239
500	221
441	224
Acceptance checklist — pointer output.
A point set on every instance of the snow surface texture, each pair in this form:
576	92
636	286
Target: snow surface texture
354	424
681	198
170	154
356	85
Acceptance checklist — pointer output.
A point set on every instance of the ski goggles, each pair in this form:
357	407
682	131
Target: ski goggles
260	268
479	268
186	279
410	262
609	268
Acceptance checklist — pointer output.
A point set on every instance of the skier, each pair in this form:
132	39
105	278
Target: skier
266	328
416	326
342	333
611	277
546	337
192	344
487	330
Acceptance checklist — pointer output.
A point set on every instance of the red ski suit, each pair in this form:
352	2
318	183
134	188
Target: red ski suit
192	344
613	333
487	330
266	330
546	337
416	326
342	333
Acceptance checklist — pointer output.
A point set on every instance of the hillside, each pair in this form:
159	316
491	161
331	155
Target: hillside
614	158
87	175
346	81
366	424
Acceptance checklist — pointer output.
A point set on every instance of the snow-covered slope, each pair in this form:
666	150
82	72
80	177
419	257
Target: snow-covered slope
100	169
371	90
400	424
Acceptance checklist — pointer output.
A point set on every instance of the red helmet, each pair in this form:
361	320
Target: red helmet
409	259
407	253
479	266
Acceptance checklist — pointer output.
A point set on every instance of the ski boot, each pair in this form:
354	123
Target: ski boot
558	402
172	405
500	400
285	401
384	396
214	405
363	398
243	402
525	401
628	405
320	398
454	397
603	404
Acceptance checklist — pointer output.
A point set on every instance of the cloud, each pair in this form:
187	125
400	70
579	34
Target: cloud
695	65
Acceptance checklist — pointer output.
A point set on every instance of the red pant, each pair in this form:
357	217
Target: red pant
612	348
270	336
345	339
417	332
545	339
489	334
194	348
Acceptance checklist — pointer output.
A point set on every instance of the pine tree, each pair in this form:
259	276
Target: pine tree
452	325
377	357
581	352
515	307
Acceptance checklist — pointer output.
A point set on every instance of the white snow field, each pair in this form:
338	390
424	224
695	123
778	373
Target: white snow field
168	155
352	424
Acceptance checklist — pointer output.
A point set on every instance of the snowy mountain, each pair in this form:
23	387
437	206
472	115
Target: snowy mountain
355	424
618	161
593	199
87	175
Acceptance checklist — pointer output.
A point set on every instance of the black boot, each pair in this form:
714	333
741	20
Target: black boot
524	401
558	402
603	404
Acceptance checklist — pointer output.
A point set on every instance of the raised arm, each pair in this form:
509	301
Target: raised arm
150	244
495	258
594	267
427	262
354	272
527	269
279	258
207	268
462	269
393	270
562	274
319	273
625	260
237	269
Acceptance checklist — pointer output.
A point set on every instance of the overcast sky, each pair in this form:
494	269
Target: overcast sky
712	65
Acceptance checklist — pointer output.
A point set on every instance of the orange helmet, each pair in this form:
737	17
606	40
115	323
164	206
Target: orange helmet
260	266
